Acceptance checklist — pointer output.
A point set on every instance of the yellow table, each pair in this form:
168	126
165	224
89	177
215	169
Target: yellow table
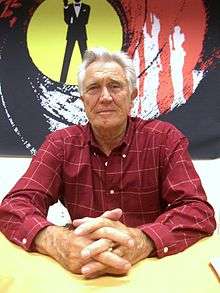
186	272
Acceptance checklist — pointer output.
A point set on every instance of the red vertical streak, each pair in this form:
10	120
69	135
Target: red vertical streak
193	24
135	11
190	16
167	12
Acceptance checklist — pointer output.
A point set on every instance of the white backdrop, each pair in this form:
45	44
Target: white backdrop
12	168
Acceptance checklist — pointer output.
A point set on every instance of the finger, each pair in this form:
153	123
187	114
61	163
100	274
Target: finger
96	247
114	215
115	235
111	259
94	269
78	222
104	271
92	225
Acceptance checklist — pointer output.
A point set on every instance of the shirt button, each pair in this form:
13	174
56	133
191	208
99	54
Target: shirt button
124	156
94	154
24	241
112	191
106	163
165	250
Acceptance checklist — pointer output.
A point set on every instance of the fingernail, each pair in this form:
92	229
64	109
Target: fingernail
85	253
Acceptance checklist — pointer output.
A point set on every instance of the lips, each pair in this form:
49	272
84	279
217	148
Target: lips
105	111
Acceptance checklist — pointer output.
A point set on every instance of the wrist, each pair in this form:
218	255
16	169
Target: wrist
145	244
45	241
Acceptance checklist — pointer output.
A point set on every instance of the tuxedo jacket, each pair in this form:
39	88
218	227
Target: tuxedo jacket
77	29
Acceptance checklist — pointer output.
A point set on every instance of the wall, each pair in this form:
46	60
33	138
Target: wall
12	168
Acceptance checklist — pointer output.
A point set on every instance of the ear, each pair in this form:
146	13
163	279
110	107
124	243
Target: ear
134	94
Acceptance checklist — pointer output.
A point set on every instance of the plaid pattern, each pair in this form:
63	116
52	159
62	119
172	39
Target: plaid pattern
150	176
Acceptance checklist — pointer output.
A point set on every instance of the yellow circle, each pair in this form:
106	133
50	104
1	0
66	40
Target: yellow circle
46	36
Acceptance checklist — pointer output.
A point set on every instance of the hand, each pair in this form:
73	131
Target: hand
61	244
136	246
114	215
65	3
65	247
102	252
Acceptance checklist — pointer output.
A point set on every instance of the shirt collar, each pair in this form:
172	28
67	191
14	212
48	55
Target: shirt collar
125	141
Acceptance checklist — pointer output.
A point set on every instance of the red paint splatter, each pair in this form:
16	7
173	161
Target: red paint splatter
190	16
9	8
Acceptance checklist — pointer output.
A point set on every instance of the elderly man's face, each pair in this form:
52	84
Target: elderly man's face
106	97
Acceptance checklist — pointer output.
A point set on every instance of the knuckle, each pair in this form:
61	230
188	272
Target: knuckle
104	230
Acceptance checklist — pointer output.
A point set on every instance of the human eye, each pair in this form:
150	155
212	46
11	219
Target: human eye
115	86
93	89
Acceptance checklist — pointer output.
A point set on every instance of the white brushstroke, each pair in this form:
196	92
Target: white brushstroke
177	59
136	62
58	104
149	106
197	76
24	141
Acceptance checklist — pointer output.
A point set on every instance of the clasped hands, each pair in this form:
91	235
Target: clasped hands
97	246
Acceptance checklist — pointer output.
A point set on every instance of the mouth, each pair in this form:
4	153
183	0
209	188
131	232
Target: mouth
105	111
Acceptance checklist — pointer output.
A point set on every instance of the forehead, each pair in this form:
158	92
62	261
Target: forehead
101	70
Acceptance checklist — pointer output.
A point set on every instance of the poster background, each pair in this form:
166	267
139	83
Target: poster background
32	104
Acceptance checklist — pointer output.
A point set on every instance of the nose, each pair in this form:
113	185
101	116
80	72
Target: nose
105	94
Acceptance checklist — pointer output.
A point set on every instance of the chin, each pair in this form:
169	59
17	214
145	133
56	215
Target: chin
104	123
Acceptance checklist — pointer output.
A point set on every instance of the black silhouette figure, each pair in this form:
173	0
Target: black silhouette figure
76	16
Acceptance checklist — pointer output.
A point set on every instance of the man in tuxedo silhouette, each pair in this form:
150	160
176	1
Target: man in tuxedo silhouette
76	16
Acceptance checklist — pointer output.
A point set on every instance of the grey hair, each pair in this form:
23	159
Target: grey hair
101	54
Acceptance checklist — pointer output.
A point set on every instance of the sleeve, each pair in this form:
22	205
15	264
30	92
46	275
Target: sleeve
23	212
186	216
67	14
87	14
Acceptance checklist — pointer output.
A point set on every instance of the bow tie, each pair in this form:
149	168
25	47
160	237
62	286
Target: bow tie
77	4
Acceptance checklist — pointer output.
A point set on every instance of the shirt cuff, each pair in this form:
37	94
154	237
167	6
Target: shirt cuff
162	237
27	233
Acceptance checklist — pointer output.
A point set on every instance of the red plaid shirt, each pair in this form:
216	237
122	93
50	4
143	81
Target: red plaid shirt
150	176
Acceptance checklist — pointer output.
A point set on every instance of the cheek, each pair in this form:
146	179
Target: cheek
127	105
89	106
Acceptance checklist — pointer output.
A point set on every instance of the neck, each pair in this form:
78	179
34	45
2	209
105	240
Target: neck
108	139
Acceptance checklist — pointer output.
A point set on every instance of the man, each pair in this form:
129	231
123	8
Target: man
129	185
76	17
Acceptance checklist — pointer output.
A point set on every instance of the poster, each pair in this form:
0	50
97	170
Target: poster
174	44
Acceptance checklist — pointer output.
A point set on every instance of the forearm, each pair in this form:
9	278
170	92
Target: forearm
144	245
20	221
54	240
23	212
45	240
179	227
